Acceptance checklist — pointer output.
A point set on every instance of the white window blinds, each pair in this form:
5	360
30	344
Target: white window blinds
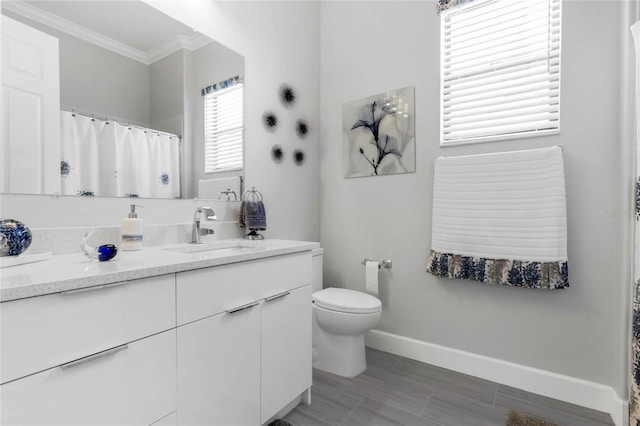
223	129
500	64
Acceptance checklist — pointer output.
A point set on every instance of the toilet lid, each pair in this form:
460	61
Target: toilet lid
345	300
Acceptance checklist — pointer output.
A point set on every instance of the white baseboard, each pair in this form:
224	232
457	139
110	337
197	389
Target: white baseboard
569	389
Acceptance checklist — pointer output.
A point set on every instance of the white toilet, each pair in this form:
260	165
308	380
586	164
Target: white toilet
341	317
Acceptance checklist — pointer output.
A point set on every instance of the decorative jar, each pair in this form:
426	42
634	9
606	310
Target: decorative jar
15	237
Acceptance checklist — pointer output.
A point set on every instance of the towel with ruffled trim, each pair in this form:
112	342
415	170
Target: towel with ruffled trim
501	218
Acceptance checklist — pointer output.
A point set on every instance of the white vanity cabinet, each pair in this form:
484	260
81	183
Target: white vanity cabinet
244	340
100	355
227	344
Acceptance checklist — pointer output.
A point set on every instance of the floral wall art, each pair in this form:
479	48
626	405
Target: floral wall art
378	134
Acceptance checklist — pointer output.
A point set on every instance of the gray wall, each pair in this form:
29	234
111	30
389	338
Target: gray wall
167	79
279	41
166	94
96	80
574	332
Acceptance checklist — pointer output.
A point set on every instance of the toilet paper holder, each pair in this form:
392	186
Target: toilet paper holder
385	263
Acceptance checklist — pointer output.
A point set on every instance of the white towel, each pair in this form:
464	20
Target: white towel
501	218
212	188
508	205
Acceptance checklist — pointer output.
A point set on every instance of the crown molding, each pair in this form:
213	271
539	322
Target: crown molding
75	30
178	42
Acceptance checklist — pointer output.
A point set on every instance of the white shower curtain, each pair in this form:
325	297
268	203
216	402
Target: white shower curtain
634	399
110	159
635	31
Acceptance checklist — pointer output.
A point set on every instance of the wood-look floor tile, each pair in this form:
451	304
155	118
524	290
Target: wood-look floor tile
374	413
302	417
392	390
446	380
330	405
452	409
381	359
397	391
328	382
552	410
378	384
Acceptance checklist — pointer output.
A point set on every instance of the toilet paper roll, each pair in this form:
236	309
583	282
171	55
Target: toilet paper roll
371	277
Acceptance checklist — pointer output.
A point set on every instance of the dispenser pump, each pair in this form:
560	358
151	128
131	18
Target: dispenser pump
133	214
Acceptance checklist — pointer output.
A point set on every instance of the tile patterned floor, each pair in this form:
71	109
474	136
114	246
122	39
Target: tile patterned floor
400	391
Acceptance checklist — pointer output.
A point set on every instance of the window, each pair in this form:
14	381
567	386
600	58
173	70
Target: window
500	64
223	126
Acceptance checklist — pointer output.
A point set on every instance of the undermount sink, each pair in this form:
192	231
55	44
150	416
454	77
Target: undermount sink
217	247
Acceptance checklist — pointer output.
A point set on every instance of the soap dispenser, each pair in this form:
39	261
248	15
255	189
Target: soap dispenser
132	231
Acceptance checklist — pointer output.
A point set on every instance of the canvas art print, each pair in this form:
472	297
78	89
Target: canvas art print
378	134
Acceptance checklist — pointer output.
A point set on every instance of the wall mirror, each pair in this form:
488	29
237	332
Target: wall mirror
103	98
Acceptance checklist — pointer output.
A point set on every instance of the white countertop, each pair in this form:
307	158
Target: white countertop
74	271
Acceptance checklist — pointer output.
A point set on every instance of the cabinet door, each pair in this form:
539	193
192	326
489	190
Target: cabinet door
132	384
286	349
219	369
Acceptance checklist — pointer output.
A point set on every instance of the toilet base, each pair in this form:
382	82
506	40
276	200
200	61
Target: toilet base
341	355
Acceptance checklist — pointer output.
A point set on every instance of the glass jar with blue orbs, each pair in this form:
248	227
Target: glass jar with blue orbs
101	253
15	239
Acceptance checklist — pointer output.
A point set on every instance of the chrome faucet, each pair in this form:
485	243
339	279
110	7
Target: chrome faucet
196	232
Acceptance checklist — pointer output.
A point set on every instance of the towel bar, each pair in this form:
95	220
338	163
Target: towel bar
253	196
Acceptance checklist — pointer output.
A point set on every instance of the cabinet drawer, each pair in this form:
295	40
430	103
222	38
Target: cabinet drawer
46	331
132	386
206	292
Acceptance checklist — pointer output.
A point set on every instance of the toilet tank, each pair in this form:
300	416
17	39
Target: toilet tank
316	265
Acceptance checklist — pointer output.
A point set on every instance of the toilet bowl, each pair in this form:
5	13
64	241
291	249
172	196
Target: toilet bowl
341	317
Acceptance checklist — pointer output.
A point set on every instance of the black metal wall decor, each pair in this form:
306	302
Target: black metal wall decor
288	96
298	157
302	128
277	154
270	121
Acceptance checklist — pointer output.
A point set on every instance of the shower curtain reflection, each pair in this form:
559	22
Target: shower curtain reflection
106	158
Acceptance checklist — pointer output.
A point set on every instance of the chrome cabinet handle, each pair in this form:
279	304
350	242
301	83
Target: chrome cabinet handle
243	307
94	356
277	296
97	287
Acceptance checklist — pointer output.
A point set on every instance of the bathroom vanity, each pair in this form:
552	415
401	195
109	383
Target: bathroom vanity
217	336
